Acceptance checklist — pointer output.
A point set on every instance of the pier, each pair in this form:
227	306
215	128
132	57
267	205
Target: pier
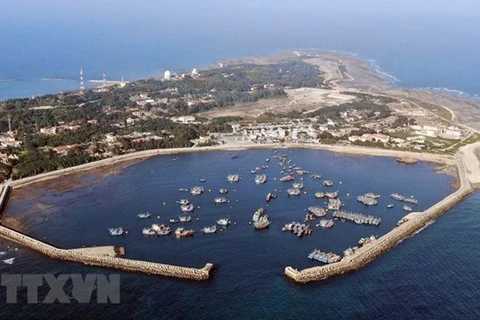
413	223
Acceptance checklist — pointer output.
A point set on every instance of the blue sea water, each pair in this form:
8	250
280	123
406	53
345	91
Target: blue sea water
431	275
428	43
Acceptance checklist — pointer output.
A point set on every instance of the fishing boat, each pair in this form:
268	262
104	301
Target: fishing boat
183	233
331	195
257	214
262	223
183	202
203	180
233	178
220	200
319	195
144	215
223	191
287	178
327	183
368	199
297	185
317	211
173	220
9	261
270	196
390	205
161	230
325	223
148	232
260	178
116	231
223	222
187	208
293	192
407	208
334	204
185	218
316	176
196	191
211	229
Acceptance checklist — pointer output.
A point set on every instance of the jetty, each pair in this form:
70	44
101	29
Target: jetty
106	256
468	175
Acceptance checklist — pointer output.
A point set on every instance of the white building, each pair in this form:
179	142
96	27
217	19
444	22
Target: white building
167	75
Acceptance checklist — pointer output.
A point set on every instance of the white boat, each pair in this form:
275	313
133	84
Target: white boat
233	178
183	202
144	215
187	208
223	222
173	220
260	178
389	206
220	200
328	183
148	232
223	191
257	214
407	208
185	218
211	229
293	192
262	223
196	191
297	185
116	231
334	204
9	261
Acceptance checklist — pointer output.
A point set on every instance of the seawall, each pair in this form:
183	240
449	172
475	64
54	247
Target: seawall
371	251
106	261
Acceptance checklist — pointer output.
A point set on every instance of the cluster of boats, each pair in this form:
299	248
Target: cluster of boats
329	195
270	196
334	204
325	257
368	199
260	221
327	183
317	211
298	229
367	240
399	197
358	218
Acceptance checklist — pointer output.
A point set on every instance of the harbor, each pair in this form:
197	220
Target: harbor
204	204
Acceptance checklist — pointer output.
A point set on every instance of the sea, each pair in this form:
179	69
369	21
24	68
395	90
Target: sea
422	44
430	275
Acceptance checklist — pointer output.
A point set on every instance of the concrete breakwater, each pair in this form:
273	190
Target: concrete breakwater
105	260
371	251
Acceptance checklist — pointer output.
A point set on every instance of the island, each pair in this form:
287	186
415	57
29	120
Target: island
300	99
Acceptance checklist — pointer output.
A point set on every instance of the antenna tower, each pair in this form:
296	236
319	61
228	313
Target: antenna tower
82	84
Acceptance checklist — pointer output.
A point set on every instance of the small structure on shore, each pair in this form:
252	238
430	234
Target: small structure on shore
407	160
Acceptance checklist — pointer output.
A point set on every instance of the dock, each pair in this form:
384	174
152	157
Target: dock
414	222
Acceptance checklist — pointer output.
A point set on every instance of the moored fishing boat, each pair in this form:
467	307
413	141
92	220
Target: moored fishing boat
183	202
187	208
185	218
325	223
223	191
262	223
390	205
161	230
319	195
196	191
327	183
144	215
407	208
287	178
334	204
233	178
325	257
331	195
317	211
183	233
297	185
270	196
173	220
257	214
293	192
116	231
220	200
260	178
223	222
148	232
211	229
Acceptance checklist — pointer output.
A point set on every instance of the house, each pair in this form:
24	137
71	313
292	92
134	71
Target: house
185	119
63	150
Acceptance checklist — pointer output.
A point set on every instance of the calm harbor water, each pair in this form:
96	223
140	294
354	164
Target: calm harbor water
431	275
